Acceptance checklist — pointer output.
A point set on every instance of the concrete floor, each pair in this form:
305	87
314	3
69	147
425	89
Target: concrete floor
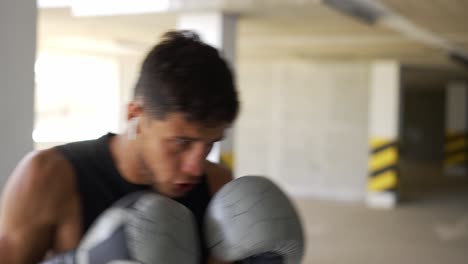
429	227
433	231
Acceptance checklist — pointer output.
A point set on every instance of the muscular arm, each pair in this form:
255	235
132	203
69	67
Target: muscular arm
32	201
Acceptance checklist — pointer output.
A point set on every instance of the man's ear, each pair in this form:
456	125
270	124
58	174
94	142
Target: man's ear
134	109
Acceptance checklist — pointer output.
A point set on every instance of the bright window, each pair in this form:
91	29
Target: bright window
77	97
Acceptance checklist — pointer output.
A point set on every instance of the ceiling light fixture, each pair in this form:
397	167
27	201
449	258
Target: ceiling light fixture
53	3
119	7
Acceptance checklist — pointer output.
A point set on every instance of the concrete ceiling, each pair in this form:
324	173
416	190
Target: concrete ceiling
269	29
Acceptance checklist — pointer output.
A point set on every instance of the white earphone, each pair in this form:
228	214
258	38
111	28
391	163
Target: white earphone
132	128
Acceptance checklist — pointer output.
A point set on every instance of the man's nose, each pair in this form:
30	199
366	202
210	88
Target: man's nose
193	169
194	163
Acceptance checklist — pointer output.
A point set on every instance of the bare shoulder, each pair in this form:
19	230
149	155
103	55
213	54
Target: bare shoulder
41	170
42	179
217	175
36	194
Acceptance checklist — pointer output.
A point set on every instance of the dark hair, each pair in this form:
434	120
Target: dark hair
183	74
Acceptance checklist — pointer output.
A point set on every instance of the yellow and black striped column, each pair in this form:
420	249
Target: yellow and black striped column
384	120
456	153
383	166
456	125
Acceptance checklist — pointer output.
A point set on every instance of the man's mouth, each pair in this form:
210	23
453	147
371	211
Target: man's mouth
185	186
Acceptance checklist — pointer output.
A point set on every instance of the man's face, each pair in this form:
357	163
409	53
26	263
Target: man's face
173	152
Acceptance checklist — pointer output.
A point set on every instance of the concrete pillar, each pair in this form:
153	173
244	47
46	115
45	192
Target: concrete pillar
456	126
17	56
384	115
218	30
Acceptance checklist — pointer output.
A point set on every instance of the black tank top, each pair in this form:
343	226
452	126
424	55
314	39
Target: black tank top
100	184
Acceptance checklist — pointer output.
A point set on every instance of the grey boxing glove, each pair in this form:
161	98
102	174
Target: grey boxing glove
142	228
250	220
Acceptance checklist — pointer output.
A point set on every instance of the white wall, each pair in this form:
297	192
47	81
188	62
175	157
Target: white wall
129	71
17	54
305	125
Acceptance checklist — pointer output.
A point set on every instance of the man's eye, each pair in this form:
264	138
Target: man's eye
182	143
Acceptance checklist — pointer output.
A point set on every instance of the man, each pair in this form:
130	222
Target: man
184	100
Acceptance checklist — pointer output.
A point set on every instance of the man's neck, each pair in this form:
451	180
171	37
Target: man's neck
125	156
